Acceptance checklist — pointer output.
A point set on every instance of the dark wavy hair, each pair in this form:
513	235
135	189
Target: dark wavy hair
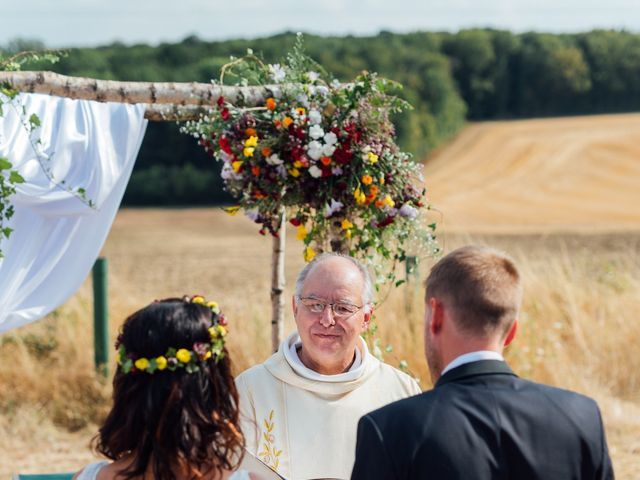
172	421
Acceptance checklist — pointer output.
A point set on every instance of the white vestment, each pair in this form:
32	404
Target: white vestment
306	428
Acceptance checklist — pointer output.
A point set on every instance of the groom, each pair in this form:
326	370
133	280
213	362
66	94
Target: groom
480	420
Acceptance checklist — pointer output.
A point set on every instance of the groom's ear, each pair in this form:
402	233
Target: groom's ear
294	305
437	315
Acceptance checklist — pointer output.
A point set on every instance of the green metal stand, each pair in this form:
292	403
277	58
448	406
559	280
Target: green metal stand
100	316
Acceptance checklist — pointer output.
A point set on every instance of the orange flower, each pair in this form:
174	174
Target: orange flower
271	103
277	123
300	110
259	195
373	190
250	132
367	179
255	170
266	151
287	121
379	203
326	161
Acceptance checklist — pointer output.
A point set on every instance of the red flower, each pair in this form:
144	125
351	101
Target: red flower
342	155
220	101
295	222
225	146
225	114
387	221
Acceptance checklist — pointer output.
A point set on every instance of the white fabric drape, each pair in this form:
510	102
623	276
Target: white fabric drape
57	236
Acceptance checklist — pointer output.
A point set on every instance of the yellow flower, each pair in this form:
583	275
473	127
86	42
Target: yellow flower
359	196
300	111
382	180
183	355
302	232
294	172
248	151
367	179
287	121
298	164
252	141
236	165
389	201
207	355
222	330
308	254
232	210
141	364
161	362
346	224
347	234
213	306
373	158
199	299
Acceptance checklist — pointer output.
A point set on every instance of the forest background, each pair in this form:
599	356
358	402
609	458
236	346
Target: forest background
478	74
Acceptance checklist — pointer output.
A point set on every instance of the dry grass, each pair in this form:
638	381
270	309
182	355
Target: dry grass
578	329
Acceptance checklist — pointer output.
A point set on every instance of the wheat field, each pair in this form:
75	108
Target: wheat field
581	269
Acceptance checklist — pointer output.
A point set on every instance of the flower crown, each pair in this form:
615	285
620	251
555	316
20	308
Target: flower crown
175	358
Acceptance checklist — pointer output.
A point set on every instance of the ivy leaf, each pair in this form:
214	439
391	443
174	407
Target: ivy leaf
34	121
5	164
7	231
15	177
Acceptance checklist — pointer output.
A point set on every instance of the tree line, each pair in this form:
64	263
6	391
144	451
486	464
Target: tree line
477	74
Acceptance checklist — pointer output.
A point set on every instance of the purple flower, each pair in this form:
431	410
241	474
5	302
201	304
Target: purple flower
408	211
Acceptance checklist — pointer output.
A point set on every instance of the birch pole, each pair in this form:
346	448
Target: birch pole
278	283
167	101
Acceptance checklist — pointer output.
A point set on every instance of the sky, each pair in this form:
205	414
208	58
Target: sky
74	23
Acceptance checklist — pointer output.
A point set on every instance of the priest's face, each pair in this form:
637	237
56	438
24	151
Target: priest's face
330	334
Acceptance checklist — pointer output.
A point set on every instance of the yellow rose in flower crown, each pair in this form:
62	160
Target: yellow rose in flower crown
183	355
142	364
161	362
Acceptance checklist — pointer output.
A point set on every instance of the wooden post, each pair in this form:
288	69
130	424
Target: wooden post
277	283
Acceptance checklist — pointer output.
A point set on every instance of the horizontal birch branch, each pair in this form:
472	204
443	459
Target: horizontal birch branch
164	100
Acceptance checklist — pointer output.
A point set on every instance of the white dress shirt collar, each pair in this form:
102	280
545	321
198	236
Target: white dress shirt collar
472	357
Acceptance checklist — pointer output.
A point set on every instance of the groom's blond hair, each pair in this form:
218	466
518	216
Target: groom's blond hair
481	286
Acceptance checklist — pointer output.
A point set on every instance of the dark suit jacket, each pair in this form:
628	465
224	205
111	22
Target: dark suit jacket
481	421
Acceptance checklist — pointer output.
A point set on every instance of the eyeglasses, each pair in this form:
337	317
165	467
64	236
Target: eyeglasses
339	310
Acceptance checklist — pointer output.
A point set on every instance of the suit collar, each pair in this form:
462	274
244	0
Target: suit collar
481	367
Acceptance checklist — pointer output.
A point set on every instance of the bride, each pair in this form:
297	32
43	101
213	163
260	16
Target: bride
175	405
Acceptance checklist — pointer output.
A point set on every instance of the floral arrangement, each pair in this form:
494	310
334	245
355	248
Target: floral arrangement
175	358
322	152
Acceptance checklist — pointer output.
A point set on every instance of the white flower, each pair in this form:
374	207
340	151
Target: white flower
274	160
277	72
225	157
337	171
315	172
303	99
328	150
313	76
335	83
408	211
330	138
316	132
333	208
315	117
227	173
322	90
314	150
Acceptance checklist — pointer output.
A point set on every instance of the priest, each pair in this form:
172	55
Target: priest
300	408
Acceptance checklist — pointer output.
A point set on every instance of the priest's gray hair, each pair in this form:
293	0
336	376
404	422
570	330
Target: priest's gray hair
367	288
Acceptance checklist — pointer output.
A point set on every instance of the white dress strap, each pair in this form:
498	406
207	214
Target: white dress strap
90	472
240	475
